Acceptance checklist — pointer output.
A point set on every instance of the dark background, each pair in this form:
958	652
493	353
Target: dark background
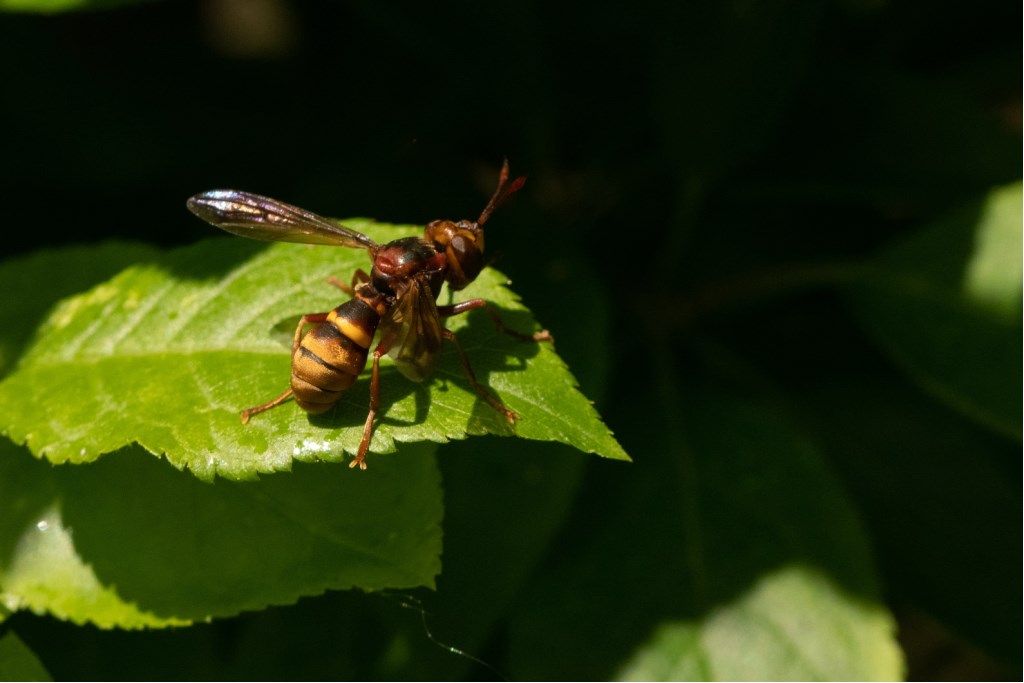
670	147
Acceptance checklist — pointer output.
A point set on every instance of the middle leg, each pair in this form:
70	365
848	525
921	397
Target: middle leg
364	444
473	304
510	415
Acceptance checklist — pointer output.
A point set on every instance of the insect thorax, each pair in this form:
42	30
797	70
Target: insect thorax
404	258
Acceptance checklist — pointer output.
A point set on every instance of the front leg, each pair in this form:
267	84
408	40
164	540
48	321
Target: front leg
358	276
473	304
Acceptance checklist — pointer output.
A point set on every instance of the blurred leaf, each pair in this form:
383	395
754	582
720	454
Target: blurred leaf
942	498
130	542
992	277
312	645
730	553
165	355
503	506
795	624
33	283
55	6
17	661
945	304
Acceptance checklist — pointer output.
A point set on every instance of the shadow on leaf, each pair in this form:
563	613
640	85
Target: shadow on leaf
152	543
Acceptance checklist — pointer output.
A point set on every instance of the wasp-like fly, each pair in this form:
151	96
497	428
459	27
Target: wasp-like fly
398	297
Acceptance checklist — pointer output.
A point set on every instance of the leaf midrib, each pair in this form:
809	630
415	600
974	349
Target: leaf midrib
568	427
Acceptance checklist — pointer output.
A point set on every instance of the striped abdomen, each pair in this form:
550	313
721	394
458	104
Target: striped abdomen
331	356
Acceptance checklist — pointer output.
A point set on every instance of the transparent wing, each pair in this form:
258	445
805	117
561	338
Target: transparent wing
262	218
413	330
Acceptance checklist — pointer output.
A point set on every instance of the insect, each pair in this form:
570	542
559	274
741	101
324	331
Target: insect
398	298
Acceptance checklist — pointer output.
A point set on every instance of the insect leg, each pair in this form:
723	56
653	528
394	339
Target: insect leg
255	410
364	444
480	389
473	304
350	289
307	319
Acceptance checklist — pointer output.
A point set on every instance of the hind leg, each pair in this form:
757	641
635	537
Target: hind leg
273	403
307	319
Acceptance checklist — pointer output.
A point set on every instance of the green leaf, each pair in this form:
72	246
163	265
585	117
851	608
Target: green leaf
941	496
795	624
17	661
129	542
731	553
166	354
55	6
945	304
33	283
503	504
502	509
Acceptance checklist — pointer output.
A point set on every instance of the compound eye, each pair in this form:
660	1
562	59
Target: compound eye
470	260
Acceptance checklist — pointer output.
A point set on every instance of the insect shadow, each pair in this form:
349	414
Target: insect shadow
488	350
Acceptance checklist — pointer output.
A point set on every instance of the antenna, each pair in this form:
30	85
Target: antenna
501	194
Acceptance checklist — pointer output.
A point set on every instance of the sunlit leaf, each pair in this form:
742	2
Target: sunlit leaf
794	624
32	284
945	304
941	497
167	353
732	553
130	542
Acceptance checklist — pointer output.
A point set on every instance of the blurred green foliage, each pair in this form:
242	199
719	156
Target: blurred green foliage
18	662
779	243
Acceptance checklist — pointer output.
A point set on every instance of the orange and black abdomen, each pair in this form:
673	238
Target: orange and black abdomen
332	354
